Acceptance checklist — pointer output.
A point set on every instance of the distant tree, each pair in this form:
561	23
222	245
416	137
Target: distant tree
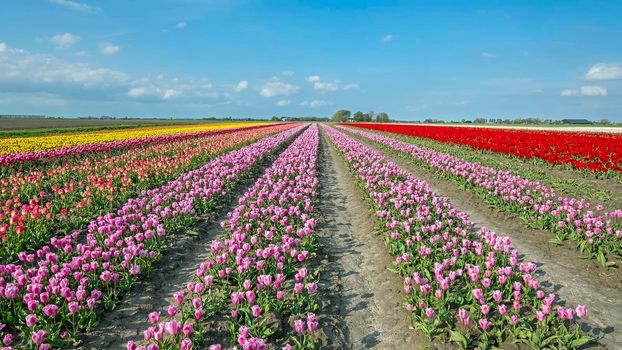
382	117
367	117
371	116
341	116
428	121
358	116
604	122
480	121
275	118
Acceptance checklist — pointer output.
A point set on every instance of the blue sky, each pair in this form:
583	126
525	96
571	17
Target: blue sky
412	59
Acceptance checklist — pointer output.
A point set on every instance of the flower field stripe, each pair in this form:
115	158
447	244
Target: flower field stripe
89	146
51	294
595	152
597	233
259	271
460	283
38	205
41	143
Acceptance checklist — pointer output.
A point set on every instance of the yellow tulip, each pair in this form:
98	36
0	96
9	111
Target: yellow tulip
33	144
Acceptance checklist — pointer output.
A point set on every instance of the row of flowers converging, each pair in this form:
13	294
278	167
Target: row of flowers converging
39	203
51	294
589	151
596	232
258	274
457	281
125	139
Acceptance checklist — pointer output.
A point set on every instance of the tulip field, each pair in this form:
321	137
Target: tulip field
311	236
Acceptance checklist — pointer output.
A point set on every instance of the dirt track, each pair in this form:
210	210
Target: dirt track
361	299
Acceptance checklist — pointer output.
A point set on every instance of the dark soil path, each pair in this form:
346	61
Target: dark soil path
361	300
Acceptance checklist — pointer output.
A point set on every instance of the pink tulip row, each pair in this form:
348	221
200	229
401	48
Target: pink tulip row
458	282
597	232
259	271
37	204
51	294
73	151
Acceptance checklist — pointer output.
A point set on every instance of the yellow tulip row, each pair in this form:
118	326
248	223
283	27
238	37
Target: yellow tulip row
33	144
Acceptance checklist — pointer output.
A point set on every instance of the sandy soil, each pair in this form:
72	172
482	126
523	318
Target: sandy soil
575	280
588	129
361	300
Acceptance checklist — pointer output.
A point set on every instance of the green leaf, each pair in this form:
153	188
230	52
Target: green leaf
458	338
601	259
580	341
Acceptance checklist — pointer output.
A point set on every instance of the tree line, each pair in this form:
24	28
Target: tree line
344	115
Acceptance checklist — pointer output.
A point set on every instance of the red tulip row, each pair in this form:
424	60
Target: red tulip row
595	152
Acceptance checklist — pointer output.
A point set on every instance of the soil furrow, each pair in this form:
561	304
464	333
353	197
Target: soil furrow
361	301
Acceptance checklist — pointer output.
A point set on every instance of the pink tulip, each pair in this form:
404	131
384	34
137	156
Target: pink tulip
50	310
154	317
38	336
255	310
299	326
429	313
581	311
31	320
185	344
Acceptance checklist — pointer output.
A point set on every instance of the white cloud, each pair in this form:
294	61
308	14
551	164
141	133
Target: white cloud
164	94
21	68
387	37
314	103
64	41
109	48
277	88
603	71
585	91
2	46
488	54
334	85
330	86
181	25
24	74
74	5
287	73
283	103
241	86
